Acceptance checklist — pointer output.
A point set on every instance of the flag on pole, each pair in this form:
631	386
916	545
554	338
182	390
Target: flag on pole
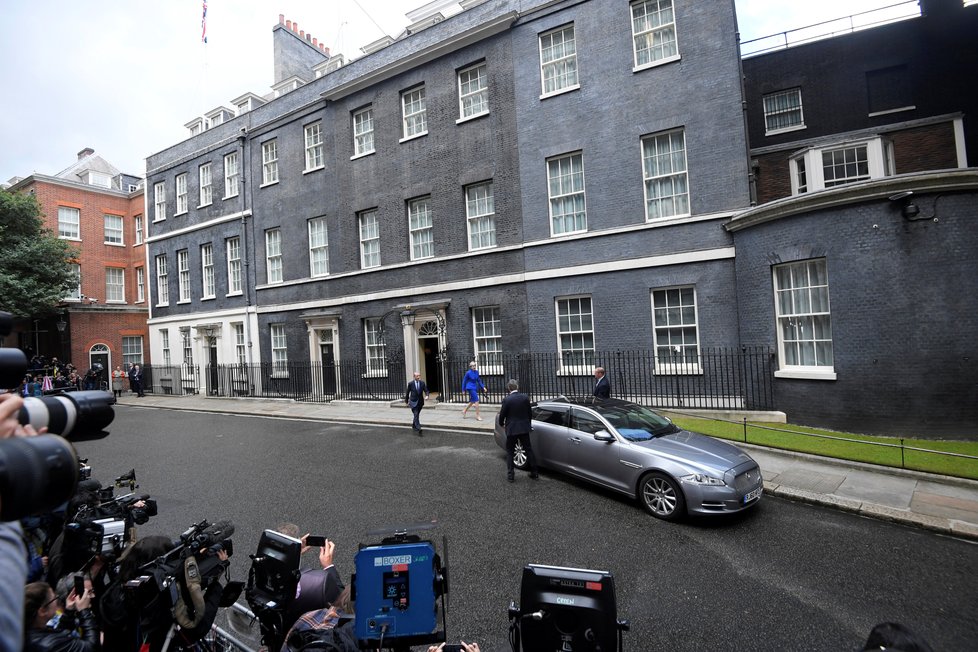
203	24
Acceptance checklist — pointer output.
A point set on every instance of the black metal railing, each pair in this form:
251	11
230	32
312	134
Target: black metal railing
732	379
171	379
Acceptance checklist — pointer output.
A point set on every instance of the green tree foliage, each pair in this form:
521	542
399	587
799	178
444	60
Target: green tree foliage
35	265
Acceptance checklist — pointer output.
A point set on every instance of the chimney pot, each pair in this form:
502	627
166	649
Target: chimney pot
315	42
302	33
295	26
281	19
288	25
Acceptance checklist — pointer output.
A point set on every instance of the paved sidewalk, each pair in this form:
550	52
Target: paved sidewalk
935	502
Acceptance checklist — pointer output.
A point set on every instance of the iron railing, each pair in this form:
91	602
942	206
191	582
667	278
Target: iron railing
720	378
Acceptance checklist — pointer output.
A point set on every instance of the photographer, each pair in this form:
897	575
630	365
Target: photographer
138	608
41	606
13	569
318	588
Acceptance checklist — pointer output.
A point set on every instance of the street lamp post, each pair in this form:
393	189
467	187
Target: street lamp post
61	325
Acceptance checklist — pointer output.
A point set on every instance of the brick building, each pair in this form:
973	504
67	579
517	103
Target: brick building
100	211
858	263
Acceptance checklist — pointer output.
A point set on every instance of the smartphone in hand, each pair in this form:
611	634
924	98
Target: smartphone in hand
315	541
79	586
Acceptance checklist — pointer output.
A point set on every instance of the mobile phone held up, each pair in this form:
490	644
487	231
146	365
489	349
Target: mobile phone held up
315	541
79	586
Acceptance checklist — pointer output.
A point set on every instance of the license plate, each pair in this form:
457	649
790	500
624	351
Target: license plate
753	495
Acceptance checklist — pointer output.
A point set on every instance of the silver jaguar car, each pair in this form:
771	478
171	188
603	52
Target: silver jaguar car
633	450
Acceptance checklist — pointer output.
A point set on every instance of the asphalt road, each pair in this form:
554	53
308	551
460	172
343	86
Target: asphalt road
784	576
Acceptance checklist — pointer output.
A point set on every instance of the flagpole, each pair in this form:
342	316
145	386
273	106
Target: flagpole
202	80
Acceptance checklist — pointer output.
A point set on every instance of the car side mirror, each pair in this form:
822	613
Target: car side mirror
604	435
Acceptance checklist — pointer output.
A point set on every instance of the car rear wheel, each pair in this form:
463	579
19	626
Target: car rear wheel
662	497
520	459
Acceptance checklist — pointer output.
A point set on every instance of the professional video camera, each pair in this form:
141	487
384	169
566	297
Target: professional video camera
184	574
39	473
396	587
566	609
272	583
105	524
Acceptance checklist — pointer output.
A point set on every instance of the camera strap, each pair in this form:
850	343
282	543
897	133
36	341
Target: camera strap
181	612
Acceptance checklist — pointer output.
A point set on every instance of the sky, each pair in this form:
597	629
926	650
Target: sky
124	77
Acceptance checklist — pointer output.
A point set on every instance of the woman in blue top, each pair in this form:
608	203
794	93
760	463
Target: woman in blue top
473	385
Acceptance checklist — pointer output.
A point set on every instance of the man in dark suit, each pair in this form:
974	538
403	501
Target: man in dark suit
516	416
602	387
417	392
136	380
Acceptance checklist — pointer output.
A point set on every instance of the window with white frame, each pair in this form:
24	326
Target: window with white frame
565	186
240	349
273	255
138	228
115	285
414	113
113	229
480	215
665	175
488	336
162	286
165	343
575	334
181	193
187	345
280	353
233	247
159	201
819	168
314	146
783	112
231	175
183	275
208	283
675	330
206	185
473	91
269	162
420	227
69	223
140	285
804	318
75	292
369	239
558	60
318	247
363	131
654	32
376	351
132	349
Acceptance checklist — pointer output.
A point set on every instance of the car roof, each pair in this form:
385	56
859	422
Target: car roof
589	401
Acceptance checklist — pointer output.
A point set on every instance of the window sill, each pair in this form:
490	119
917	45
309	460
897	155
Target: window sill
672	370
116	302
470	118
181	213
204	205
270	183
210	298
183	301
567	233
136	244
414	137
362	155
802	374
569	89
64	237
228	197
163	305
316	169
159	219
656	64
114	244
784	130
234	294
486	248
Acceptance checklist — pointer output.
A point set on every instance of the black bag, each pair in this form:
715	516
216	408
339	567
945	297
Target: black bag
338	639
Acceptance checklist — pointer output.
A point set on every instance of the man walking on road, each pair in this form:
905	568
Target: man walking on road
515	415
417	392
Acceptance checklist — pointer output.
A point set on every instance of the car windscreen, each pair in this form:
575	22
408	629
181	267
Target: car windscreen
636	423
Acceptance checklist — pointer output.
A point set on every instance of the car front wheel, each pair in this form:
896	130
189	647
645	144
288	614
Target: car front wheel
662	497
520	459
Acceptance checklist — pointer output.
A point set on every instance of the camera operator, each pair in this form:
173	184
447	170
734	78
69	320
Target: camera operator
41	606
136	612
13	569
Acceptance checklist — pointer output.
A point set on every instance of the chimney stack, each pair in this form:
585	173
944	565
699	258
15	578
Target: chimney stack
88	151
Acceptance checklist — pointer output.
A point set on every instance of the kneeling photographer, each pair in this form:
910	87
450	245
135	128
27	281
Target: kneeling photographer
168	591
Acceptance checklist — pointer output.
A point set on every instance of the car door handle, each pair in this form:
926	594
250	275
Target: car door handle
574	440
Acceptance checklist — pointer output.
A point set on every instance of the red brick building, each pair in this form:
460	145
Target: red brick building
99	210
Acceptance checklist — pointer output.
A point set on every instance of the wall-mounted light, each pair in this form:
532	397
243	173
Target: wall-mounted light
909	210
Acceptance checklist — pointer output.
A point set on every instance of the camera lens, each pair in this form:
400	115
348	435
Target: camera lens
36	475
80	413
